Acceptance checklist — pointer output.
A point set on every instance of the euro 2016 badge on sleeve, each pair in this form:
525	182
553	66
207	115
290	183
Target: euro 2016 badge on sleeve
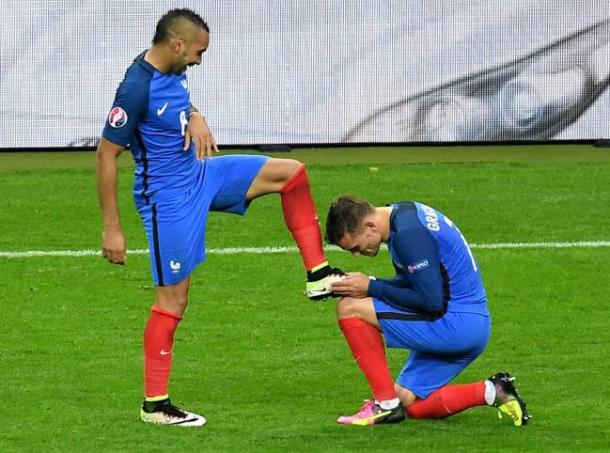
117	117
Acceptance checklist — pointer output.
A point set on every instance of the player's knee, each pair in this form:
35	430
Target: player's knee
175	305
406	396
293	166
347	308
287	168
276	176
173	298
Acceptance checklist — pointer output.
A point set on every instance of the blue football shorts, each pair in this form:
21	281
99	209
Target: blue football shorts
440	349
176	227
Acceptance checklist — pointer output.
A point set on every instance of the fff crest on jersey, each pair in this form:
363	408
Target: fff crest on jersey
117	117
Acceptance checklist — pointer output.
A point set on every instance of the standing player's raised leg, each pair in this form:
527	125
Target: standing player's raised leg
289	178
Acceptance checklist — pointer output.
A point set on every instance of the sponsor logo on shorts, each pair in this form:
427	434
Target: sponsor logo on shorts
117	117
419	266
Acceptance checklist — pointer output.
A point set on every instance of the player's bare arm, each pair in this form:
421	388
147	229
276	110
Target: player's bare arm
354	284
199	132
113	240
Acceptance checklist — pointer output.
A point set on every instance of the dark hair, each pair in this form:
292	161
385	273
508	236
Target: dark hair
345	216
168	22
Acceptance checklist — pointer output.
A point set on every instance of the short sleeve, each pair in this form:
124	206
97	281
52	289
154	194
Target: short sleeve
129	108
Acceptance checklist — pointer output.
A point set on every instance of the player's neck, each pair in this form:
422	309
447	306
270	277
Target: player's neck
382	217
158	58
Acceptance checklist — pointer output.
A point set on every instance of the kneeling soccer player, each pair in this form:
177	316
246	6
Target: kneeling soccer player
435	306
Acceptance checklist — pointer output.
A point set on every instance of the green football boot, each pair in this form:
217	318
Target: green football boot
508	401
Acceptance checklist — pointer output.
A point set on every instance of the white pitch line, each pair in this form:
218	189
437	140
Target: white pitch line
271	250
542	245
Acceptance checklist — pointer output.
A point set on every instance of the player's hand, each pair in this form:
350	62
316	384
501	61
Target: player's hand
113	245
199	132
354	284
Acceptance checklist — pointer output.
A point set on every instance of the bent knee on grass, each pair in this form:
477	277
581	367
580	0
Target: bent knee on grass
406	396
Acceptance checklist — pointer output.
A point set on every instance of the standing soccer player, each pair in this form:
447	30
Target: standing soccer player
175	187
435	306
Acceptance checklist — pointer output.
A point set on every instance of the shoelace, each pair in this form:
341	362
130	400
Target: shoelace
172	410
366	408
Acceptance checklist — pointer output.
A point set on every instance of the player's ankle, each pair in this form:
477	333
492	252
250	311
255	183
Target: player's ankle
490	393
318	267
152	403
388	404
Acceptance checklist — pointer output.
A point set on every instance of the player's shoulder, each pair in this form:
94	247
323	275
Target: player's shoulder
415	219
137	76
140	72
409	236
404	216
432	219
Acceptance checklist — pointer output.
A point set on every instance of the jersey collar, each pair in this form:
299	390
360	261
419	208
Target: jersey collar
145	64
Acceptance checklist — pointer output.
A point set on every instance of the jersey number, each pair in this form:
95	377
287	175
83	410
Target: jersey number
183	122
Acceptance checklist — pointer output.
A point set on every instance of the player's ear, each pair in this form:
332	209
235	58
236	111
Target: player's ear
370	224
177	44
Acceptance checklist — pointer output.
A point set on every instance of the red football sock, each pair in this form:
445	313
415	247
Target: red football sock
158	343
301	218
449	400
369	351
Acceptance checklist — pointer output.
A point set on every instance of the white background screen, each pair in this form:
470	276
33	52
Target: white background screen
320	71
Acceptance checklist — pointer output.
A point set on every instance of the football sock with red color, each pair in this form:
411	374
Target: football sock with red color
301	218
449	400
158	344
369	351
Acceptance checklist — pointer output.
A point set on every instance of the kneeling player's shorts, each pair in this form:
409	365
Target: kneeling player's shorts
176	227
440	349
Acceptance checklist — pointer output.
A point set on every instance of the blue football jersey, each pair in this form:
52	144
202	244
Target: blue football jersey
465	283
150	114
436	270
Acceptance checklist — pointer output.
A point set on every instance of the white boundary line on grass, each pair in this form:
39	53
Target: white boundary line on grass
270	250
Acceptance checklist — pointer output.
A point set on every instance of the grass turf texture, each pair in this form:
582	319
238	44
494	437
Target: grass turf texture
271	370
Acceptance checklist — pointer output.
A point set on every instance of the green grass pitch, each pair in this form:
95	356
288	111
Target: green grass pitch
270	369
